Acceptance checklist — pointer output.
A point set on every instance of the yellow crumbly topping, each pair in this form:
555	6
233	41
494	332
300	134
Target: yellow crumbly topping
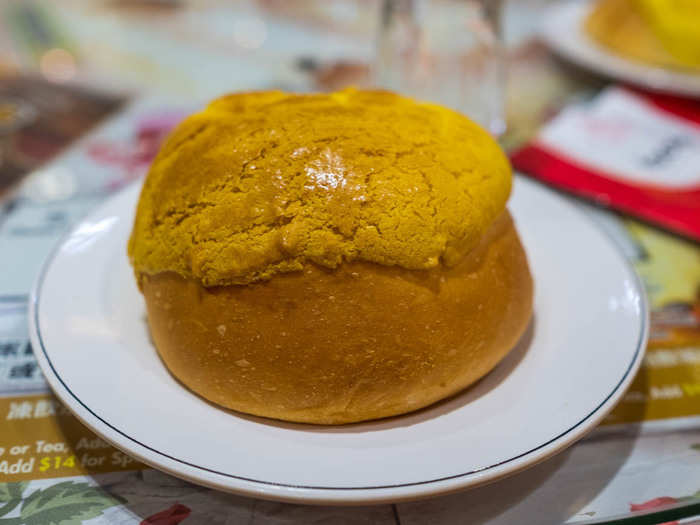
262	183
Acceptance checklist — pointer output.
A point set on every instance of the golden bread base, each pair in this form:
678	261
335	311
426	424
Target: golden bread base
363	341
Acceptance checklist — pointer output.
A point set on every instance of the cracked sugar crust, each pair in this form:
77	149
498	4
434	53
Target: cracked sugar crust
263	183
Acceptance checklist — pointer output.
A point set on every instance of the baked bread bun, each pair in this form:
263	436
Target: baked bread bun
657	32
329	258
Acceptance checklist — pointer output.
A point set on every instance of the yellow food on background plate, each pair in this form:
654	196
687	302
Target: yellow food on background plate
329	258
663	33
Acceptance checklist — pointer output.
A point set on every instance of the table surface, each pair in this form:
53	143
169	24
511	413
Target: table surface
133	69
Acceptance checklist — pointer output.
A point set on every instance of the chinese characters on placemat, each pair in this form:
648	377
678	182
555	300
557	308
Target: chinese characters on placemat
41	439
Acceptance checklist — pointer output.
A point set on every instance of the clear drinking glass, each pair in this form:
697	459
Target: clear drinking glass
445	51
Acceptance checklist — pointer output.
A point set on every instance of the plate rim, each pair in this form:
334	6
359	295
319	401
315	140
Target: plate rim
666	81
310	494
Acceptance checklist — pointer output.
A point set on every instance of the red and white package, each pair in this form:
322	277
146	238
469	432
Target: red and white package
634	152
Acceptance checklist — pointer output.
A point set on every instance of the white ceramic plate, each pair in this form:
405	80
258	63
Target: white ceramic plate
585	344
562	29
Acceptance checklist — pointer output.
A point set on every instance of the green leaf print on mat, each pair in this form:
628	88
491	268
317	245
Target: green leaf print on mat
10	491
11	495
66	503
